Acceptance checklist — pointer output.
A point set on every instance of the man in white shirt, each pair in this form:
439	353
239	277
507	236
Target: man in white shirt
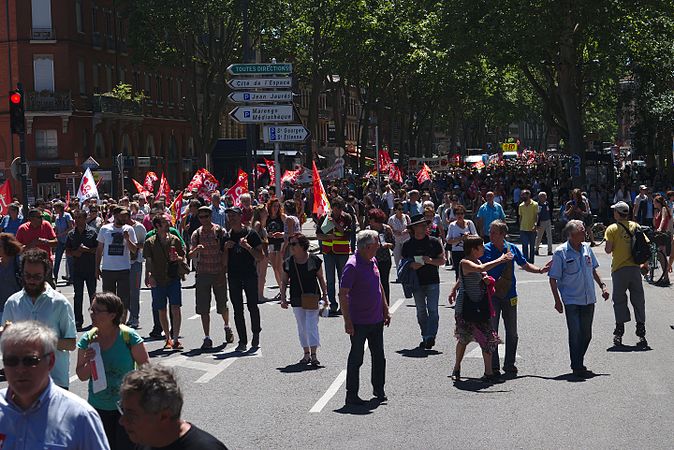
116	241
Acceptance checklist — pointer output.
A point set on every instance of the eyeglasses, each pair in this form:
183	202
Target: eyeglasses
33	276
27	361
97	311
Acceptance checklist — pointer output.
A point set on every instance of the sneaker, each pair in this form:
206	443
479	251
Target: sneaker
241	348
643	343
229	336
510	370
430	342
168	345
255	342
208	344
177	345
617	341
380	396
154	334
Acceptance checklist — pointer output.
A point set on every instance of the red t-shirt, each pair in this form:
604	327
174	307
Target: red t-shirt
25	235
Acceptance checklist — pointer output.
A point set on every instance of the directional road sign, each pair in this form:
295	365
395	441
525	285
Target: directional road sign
260	83
260	69
285	133
263	114
261	97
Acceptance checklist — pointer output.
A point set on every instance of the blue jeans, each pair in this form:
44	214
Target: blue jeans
426	300
579	322
528	239
509	312
334	262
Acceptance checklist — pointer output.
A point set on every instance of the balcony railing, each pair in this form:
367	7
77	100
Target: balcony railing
47	152
111	105
110	42
47	101
42	34
96	40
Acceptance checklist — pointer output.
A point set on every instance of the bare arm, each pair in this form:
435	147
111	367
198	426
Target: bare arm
344	306
469	266
139	354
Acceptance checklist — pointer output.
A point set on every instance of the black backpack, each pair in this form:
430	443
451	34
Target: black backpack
641	249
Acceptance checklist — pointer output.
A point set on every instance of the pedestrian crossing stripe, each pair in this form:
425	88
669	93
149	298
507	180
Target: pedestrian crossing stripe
476	352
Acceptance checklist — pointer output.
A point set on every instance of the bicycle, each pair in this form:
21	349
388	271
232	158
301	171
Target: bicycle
656	265
597	231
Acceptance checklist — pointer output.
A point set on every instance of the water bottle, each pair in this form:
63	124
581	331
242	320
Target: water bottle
324	309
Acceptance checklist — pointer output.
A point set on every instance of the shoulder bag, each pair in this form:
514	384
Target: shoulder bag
309	301
477	312
505	281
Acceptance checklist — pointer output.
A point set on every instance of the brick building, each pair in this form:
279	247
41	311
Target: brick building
68	54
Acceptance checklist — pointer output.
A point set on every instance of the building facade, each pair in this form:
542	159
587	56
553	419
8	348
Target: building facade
70	55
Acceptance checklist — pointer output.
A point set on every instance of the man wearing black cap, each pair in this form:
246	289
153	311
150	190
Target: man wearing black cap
428	255
244	249
116	241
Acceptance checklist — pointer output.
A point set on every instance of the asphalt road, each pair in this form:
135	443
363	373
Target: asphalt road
264	400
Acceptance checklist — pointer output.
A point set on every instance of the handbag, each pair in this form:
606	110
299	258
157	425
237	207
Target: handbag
505	281
477	312
309	301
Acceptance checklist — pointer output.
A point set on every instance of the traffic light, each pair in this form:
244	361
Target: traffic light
16	113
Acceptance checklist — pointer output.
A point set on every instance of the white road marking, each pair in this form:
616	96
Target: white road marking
341	378
476	352
212	370
196	316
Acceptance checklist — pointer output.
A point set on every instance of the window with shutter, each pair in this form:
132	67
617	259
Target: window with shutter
46	144
43	71
41	16
82	79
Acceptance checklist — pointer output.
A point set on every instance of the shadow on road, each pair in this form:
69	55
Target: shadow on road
298	368
477	385
417	352
360	410
628	348
569	377
234	354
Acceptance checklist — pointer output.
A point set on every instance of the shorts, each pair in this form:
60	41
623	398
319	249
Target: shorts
218	284
170	291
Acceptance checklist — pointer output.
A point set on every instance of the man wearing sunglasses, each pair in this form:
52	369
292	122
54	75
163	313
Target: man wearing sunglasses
34	412
39	301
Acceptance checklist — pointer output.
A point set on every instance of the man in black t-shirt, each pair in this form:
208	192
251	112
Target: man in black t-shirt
151	404
244	250
428	255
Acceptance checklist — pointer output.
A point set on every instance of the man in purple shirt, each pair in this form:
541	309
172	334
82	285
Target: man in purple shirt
365	311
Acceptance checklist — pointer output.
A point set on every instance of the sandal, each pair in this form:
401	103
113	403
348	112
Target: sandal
315	362
306	359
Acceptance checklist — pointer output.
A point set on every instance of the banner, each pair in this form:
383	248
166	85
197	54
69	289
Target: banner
321	202
87	187
5	197
437	164
150	179
335	172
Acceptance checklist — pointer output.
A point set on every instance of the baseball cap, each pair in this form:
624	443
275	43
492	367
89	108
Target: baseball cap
643	187
622	208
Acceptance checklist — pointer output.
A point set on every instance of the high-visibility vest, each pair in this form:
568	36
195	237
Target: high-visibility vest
336	246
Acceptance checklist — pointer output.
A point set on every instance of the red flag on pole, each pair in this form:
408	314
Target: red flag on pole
424	174
150	179
139	187
321	202
272	171
242	175
395	174
5	197
236	191
164	188
384	161
176	209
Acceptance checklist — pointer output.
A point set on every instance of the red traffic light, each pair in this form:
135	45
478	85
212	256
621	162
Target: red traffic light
15	98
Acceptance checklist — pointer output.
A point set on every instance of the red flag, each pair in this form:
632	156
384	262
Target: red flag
204	182
395	174
164	188
384	161
272	170
290	176
260	169
5	197
176	209
321	202
240	188
424	174
150	179
139	187
241	176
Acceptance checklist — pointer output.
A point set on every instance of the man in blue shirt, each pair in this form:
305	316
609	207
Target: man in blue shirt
218	215
488	213
34	412
505	299
574	267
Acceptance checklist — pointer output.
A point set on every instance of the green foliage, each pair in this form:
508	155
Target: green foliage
125	92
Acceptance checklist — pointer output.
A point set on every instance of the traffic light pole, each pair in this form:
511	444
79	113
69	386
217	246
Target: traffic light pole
24	163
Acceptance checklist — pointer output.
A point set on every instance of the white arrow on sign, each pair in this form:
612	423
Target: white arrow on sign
263	114
261	97
285	133
260	83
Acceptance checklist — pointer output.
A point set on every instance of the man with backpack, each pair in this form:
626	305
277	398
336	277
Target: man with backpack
627	245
